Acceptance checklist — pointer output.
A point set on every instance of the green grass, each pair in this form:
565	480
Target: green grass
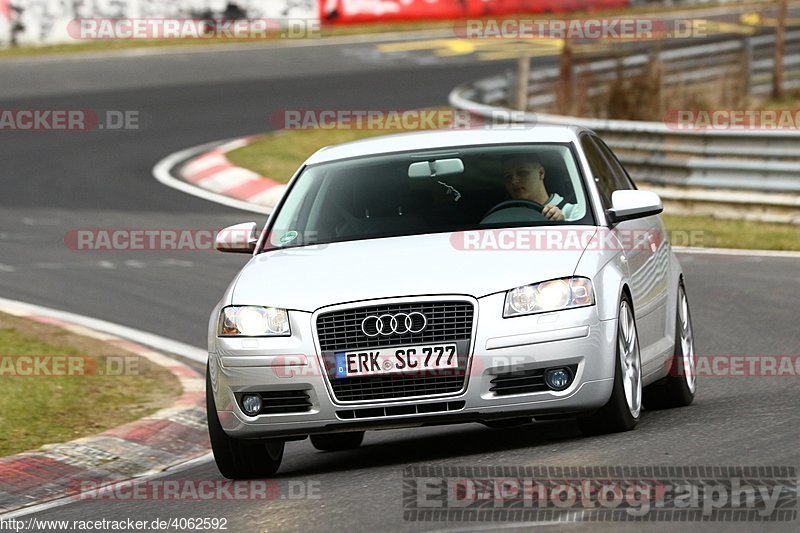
278	155
42	409
325	31
708	232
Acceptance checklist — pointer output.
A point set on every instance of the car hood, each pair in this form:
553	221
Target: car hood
471	263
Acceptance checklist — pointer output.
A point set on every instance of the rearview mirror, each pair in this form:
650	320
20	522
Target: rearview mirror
436	168
241	238
628	205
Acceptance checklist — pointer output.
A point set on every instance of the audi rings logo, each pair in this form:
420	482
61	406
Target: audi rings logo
400	323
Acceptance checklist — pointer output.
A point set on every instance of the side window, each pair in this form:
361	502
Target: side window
621	178
603	177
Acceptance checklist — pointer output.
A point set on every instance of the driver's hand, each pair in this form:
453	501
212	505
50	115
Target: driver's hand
552	212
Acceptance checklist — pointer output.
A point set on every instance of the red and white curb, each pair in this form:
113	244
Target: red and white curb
206	172
166	438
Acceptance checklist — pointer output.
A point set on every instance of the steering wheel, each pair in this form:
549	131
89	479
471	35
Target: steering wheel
530	204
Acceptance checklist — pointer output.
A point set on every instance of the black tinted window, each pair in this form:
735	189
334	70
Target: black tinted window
382	196
621	179
603	176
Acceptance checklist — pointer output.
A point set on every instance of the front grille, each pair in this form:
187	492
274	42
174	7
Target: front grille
396	386
447	321
401	410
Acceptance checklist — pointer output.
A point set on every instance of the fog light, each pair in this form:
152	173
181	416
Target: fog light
251	404
558	378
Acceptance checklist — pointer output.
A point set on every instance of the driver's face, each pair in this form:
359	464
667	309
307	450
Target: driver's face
521	177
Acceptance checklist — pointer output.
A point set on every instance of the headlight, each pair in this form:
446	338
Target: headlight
549	296
253	321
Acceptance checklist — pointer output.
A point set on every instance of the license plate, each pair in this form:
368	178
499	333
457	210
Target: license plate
395	360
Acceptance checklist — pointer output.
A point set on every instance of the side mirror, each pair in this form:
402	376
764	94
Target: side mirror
628	205
241	238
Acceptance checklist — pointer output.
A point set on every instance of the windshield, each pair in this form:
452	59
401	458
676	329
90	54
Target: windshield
410	193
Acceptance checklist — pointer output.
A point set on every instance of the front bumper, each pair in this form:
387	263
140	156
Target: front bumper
571	337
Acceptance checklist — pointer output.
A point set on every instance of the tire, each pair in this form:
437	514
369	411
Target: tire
679	387
333	442
623	409
240	458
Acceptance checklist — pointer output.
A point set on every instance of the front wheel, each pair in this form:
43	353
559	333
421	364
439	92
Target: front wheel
240	458
623	409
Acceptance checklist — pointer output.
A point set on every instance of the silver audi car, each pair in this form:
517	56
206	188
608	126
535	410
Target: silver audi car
498	276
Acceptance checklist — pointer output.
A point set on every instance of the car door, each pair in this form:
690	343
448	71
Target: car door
646	249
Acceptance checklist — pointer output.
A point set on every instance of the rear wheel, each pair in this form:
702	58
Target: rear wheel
332	442
623	409
678	388
240	458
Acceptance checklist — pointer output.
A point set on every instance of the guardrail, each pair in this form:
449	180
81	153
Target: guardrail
655	152
749	58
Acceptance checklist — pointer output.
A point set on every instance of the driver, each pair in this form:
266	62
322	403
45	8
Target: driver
523	176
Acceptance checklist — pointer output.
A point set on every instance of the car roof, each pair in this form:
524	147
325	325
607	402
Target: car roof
436	139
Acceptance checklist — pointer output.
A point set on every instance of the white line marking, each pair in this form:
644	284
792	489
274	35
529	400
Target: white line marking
197	461
142	337
177	263
136	53
578	517
49	266
162	173
6	268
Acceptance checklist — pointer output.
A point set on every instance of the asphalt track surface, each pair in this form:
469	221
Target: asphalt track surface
55	182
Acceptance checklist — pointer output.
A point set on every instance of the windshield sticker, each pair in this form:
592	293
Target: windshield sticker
288	237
